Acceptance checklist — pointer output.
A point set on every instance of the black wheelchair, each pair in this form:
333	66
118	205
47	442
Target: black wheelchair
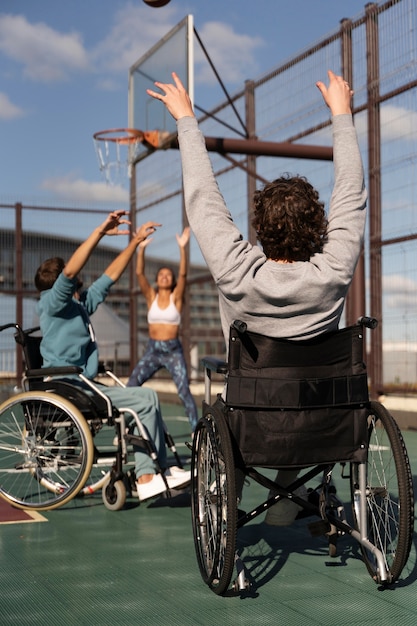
305	405
57	441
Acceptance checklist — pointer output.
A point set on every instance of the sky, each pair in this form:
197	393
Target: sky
64	75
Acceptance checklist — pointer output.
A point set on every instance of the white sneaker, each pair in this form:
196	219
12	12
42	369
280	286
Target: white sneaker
151	489
177	477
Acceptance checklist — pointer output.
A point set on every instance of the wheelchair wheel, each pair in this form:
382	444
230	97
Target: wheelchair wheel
389	495
105	459
46	450
214	504
103	462
114	494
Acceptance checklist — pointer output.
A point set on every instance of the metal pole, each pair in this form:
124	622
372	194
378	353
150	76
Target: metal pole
355	305
133	298
19	284
186	309
251	158
374	201
223	145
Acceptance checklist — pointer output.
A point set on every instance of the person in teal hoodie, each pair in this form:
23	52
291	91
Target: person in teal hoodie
68	338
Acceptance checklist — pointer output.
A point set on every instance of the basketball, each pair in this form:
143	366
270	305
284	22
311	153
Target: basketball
156	3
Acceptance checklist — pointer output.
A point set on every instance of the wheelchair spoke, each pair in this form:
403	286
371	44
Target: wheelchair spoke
45	450
214	503
389	495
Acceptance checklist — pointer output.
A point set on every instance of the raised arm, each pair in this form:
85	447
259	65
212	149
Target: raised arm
183	267
117	267
109	227
147	290
346	215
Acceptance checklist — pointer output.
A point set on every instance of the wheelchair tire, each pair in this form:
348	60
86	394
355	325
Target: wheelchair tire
390	498
114	495
213	502
46	450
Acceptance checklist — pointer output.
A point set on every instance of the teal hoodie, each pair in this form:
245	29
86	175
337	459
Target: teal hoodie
67	334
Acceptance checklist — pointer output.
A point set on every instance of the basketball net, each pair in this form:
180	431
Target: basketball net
116	151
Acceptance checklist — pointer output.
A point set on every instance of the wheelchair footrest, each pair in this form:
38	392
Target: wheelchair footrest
319	528
134	439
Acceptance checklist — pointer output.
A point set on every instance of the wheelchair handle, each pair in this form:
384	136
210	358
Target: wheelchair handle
240	326
369	322
8	326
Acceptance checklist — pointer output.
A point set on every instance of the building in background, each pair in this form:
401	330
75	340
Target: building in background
111	321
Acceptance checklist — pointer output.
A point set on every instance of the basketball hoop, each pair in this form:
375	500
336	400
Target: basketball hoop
116	151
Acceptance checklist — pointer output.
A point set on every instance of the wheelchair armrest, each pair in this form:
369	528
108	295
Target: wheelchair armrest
215	365
53	371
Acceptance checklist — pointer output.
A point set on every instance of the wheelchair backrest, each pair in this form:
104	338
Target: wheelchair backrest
327	370
30	340
297	403
31	345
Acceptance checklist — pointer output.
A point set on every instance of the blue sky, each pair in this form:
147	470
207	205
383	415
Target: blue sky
64	75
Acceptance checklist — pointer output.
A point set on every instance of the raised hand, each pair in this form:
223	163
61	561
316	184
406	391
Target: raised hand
183	239
337	95
143	232
111	225
175	98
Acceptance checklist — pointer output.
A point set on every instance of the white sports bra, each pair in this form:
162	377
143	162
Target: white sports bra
170	315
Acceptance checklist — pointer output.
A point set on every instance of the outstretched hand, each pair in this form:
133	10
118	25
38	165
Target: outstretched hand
337	95
111	225
183	239
175	98
145	243
143	232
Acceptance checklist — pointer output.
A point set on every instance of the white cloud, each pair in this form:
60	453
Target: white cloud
232	54
78	190
396	123
47	55
8	110
133	34
396	283
50	56
399	292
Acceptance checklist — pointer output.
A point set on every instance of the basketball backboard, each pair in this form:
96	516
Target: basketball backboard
174	52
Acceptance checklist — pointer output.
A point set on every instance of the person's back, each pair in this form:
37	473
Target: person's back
289	296
296	286
67	334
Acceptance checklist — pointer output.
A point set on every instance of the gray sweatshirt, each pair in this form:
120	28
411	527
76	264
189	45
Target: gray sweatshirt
288	300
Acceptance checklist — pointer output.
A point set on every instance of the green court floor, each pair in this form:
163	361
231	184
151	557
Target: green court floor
85	565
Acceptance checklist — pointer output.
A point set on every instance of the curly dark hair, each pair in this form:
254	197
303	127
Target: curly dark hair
48	272
289	219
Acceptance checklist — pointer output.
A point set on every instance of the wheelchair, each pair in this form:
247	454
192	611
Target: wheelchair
54	440
299	405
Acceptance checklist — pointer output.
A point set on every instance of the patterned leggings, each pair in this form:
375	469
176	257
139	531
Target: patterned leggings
168	354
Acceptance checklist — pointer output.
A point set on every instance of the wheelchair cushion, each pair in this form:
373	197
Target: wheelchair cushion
90	406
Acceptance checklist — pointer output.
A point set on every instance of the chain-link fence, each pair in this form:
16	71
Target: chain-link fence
377	53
